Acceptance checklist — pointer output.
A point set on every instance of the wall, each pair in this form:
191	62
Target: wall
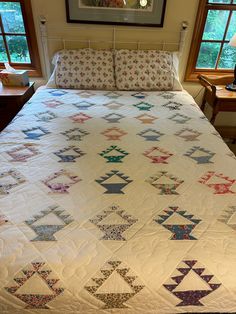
176	12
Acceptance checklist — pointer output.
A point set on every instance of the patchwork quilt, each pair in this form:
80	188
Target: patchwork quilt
116	202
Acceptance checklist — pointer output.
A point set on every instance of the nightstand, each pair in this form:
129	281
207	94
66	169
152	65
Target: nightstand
220	99
12	99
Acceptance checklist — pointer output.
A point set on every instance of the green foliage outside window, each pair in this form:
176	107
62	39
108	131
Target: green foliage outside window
214	31
13	24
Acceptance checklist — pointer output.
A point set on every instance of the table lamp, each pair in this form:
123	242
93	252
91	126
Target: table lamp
232	86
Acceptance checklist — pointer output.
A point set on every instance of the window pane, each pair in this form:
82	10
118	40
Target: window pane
3	54
18	49
12	17
215	24
219	1
232	27
228	57
208	55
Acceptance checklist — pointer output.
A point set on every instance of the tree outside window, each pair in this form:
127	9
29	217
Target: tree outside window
18	44
210	52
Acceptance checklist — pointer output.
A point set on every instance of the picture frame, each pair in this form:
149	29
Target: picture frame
149	13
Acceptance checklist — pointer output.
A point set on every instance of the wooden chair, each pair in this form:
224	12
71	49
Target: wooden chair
220	99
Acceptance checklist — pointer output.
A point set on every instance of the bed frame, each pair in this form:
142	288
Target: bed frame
114	43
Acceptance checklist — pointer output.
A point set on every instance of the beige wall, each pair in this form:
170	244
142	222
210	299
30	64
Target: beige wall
176	12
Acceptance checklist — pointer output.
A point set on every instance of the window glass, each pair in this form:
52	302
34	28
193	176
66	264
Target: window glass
210	51
3	54
12	17
18	49
215	24
13	31
18	43
220	1
232	26
228	57
208	54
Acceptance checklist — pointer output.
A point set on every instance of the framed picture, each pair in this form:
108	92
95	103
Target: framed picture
117	12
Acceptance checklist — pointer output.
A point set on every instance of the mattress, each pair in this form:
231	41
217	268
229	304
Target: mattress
116	202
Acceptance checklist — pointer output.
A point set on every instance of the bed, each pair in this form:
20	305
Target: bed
116	193
116	202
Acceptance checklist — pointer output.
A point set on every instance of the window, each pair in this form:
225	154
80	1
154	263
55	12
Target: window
210	52
18	44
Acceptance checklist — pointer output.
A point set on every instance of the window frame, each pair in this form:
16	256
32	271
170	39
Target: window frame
191	74
33	68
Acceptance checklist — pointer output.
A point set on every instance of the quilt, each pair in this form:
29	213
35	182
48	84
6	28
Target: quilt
116	202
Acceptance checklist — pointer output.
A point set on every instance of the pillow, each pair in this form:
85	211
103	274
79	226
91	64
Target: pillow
85	69
146	70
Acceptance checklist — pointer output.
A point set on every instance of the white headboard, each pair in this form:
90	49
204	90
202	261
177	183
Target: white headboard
114	43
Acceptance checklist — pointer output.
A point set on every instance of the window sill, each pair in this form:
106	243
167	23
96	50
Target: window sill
193	77
32	71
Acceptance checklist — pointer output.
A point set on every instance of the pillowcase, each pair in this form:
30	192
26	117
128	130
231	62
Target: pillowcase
85	69
146	70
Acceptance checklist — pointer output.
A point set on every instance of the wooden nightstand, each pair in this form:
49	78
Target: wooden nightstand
220	99
12	99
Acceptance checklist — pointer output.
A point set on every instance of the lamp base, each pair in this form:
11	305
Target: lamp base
231	87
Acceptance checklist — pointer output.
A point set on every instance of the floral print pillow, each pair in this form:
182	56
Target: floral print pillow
145	70
85	69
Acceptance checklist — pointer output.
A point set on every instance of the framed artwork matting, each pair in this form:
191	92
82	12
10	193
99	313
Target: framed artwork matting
117	12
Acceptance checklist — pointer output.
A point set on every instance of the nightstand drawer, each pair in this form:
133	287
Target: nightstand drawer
12	99
7	114
3	106
5	119
10	108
